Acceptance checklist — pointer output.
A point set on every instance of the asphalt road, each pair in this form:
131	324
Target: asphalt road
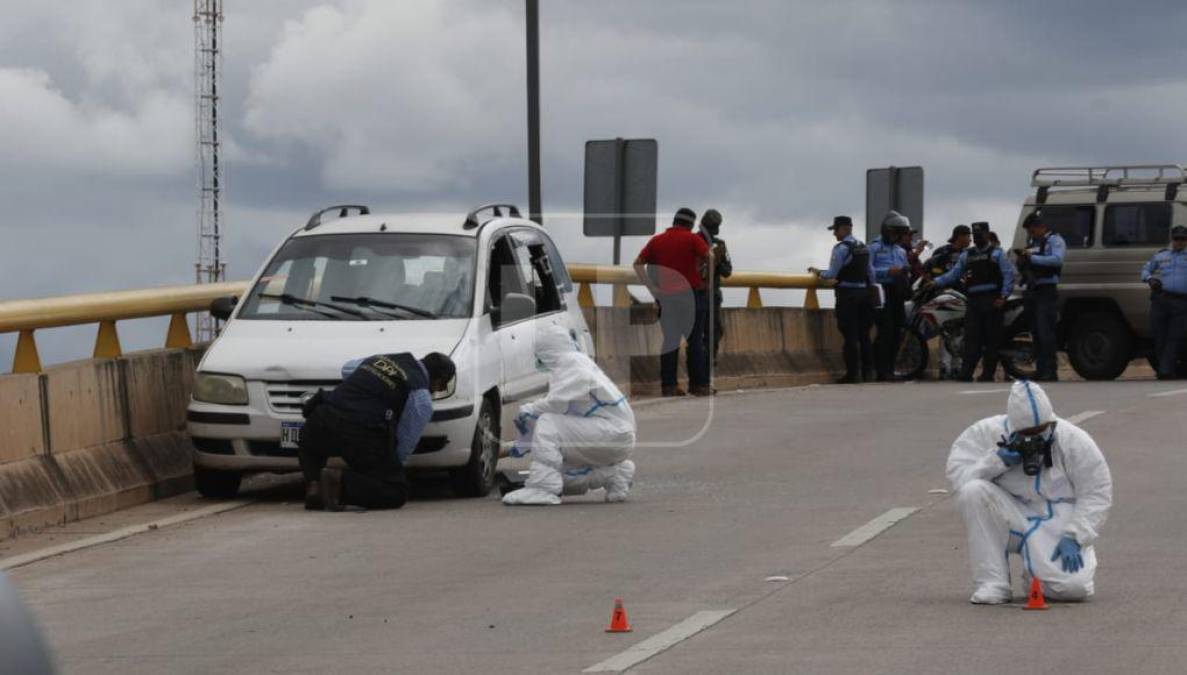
764	490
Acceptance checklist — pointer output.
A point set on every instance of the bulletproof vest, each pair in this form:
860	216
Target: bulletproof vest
857	270
1044	271
375	393
981	268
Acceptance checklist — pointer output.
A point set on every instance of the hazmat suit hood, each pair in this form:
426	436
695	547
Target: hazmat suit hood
552	343
1028	406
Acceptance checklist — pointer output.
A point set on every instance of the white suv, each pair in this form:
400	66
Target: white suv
476	289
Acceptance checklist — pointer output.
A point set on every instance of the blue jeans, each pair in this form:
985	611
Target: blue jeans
684	316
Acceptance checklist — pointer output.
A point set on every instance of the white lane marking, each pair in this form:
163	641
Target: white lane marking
116	535
1086	415
984	391
875	527
660	642
1172	392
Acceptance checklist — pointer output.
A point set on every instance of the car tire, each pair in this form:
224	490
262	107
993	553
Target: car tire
1100	346
214	484
477	477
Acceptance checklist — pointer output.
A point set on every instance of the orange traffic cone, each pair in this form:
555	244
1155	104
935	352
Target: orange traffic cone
1035	600
618	621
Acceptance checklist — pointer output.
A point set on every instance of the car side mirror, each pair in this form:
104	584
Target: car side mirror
517	307
222	308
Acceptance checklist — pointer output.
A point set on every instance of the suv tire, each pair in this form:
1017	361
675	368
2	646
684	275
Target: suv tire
214	484
1099	346
477	477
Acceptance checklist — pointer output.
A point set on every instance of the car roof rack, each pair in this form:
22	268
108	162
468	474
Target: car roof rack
471	221
1105	178
342	209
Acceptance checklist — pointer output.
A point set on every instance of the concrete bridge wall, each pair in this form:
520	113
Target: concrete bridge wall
86	438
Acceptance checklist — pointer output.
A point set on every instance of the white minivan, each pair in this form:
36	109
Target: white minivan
476	289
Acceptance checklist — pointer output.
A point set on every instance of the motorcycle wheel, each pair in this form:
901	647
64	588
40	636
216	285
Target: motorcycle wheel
912	357
1018	356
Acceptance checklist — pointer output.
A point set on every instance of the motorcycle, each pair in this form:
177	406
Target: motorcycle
938	313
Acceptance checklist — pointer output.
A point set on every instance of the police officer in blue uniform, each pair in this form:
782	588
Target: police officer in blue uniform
852	270
374	420
1166	273
988	277
1043	261
892	272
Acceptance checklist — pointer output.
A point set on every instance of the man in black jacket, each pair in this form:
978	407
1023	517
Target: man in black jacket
723	267
374	420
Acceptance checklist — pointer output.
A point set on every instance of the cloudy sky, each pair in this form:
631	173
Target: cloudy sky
768	110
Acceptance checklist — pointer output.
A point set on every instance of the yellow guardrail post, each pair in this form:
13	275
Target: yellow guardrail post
107	342
810	299
26	359
754	299
622	297
179	332
585	296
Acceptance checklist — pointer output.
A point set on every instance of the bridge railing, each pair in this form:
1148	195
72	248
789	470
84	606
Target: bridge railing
27	316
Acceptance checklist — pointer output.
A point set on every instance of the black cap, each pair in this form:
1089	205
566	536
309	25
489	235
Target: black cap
841	221
439	366
685	217
980	226
711	218
1033	219
957	231
1179	231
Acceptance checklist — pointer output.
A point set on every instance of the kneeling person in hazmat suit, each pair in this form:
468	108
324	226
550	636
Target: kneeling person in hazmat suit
580	434
373	419
1034	485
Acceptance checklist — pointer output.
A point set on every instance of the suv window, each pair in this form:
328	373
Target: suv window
504	275
1137	224
1073	223
532	254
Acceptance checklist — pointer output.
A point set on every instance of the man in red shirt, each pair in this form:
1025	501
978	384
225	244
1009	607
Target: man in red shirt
676	258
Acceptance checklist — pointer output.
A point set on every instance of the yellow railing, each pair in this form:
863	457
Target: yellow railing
105	309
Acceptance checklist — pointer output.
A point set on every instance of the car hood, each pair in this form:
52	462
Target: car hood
316	350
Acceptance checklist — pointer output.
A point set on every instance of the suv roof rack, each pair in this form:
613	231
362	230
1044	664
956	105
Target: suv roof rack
471	221
342	209
1109	176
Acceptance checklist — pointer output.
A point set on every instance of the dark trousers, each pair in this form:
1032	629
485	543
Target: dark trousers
1168	325
855	314
891	320
982	335
1042	306
373	478
683	317
715	335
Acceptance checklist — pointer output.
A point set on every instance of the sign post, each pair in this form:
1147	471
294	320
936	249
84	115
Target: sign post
895	188
620	189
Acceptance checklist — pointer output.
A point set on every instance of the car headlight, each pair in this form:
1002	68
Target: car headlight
225	389
450	390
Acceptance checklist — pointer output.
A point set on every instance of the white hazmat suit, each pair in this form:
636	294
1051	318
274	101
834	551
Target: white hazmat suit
580	434
1007	511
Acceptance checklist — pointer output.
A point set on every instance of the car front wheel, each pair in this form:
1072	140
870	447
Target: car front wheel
214	484
477	477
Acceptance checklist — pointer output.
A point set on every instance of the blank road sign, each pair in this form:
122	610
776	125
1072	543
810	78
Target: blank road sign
893	188
620	190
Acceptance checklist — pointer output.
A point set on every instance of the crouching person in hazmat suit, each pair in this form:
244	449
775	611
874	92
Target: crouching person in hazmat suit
580	434
374	420
1034	485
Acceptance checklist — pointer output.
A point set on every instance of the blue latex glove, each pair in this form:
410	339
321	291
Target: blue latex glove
521	423
1010	457
1069	550
517	452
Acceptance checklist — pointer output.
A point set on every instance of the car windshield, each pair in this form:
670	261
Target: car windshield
359	277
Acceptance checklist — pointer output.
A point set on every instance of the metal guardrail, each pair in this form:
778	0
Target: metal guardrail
105	309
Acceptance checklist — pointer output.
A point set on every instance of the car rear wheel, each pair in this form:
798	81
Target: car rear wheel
214	484
1099	346
477	477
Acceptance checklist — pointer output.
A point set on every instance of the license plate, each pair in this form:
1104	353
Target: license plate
290	434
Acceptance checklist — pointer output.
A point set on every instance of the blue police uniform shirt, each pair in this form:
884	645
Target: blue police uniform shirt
1056	250
840	257
884	256
1003	263
1169	267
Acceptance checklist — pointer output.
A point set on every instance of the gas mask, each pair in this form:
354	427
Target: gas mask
1035	449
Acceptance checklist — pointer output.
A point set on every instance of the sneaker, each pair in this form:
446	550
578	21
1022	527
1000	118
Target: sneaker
991	595
331	489
313	496
673	391
703	390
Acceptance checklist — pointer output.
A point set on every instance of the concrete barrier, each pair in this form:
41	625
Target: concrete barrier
86	438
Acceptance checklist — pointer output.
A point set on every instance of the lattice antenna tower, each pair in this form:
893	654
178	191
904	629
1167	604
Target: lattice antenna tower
211	266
